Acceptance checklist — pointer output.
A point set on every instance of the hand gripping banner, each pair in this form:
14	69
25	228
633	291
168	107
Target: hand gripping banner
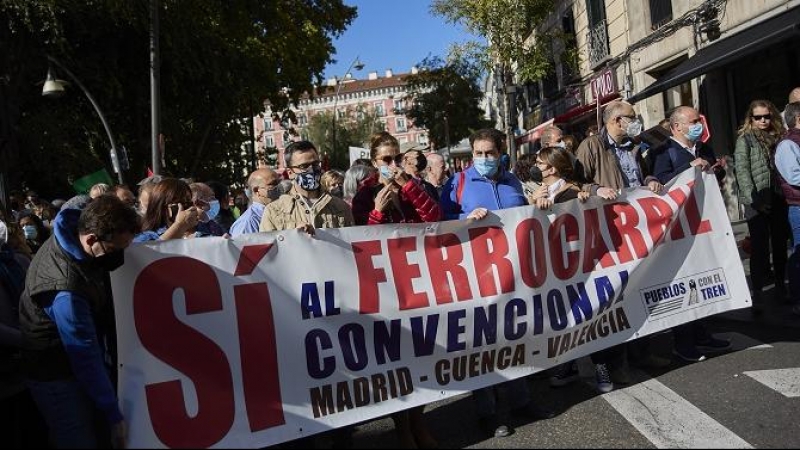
271	337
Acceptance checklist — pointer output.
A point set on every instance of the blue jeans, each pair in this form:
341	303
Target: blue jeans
793	265
68	411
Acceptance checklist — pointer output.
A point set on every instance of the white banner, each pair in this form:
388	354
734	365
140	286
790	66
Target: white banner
270	337
358	153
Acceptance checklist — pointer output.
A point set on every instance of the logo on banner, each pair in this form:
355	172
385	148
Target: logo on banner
665	299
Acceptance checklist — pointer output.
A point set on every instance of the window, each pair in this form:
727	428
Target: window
400	124
302	120
380	111
268	124
383	125
341	113
660	13
269	141
422	139
399	106
598	32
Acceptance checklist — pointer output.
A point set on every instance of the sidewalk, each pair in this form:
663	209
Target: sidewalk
775	312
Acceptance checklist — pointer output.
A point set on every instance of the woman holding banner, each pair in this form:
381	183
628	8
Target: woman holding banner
398	198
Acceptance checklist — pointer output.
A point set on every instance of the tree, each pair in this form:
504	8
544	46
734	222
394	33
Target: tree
506	24
446	100
353	131
218	59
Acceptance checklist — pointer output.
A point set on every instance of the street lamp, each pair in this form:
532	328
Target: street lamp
55	88
358	65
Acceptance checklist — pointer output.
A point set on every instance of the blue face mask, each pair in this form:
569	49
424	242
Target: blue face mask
386	171
248	193
213	210
486	167
30	232
695	131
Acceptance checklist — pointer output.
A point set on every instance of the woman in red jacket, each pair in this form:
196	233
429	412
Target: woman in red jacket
398	198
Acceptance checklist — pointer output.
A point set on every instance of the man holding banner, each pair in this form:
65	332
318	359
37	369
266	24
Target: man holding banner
306	206
683	150
609	162
486	148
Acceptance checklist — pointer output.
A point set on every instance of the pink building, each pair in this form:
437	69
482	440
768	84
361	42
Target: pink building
385	95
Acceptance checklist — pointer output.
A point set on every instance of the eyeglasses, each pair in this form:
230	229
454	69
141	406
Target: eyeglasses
305	166
633	117
757	117
388	160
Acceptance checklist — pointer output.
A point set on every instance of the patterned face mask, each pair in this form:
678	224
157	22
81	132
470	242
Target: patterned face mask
308	181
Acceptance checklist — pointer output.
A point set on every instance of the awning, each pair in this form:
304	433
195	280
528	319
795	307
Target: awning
534	134
579	111
714	56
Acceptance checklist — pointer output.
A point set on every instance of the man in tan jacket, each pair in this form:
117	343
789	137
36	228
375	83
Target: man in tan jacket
306	206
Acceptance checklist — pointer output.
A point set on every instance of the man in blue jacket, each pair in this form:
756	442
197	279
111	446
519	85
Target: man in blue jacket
471	194
61	312
484	186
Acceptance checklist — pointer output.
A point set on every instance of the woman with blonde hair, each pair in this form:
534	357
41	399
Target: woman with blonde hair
332	182
765	207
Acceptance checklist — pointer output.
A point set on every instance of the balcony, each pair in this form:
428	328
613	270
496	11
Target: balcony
598	43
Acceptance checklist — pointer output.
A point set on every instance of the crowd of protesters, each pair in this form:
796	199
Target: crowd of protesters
56	313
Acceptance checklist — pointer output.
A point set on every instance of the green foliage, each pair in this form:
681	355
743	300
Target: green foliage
506	24
219	61
446	99
351	131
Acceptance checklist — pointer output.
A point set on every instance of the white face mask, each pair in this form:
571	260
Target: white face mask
3	233
634	128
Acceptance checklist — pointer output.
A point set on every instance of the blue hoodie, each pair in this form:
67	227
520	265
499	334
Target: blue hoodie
73	317
480	192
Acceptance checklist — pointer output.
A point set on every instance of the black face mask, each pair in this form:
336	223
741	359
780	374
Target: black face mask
536	174
110	261
337	192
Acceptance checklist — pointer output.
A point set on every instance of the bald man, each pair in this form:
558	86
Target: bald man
262	188
436	172
552	137
794	96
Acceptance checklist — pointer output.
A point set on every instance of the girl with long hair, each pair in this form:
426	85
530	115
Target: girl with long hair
765	207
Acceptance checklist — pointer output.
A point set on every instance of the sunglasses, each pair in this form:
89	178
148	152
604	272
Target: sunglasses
762	117
388	160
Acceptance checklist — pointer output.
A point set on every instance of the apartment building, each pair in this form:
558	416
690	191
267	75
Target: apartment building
716	55
386	96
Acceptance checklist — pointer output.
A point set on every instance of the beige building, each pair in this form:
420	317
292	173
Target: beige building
714	55
385	94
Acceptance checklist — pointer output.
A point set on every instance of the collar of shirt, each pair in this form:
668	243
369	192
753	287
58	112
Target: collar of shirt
553	189
625	143
692	149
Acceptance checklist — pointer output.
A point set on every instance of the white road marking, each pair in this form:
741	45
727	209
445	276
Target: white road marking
784	381
668	420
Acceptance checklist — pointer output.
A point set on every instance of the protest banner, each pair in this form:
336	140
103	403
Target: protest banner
358	153
270	337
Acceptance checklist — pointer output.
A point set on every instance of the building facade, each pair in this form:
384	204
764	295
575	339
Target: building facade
386	96
714	55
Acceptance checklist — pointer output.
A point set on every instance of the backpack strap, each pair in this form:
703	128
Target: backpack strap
460	189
